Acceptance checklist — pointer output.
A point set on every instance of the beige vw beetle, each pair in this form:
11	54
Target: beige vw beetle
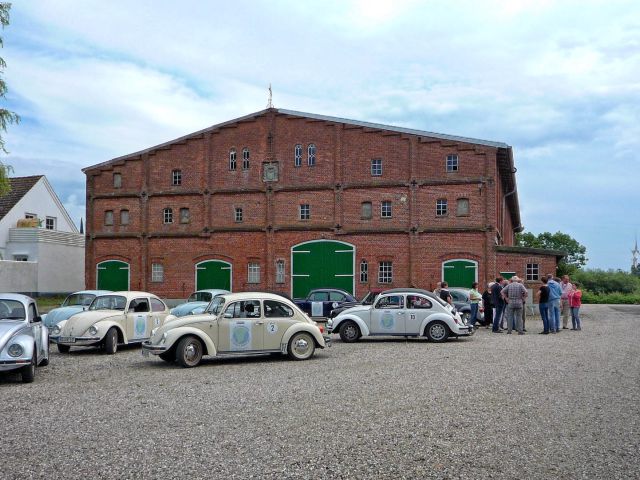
238	324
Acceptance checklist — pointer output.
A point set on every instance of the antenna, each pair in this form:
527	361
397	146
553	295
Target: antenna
270	104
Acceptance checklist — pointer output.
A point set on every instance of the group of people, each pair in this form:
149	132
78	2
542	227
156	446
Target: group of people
504	302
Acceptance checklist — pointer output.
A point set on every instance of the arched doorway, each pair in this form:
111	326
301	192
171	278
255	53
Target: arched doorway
112	275
321	264
213	274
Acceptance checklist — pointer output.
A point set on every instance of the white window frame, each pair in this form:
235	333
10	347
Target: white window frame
297	155
452	163
386	209
157	272
167	215
51	220
238	214
280	269
304	211
233	159
311	154
532	272
385	272
376	167
30	215
176	177
442	207
364	271
245	158
253	272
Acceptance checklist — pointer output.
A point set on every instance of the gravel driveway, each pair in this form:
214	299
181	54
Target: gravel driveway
491	406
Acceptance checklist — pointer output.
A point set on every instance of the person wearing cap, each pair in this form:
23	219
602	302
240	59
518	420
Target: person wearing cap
514	294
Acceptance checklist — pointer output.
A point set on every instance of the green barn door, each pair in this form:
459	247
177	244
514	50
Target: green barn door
460	273
321	264
213	274
113	275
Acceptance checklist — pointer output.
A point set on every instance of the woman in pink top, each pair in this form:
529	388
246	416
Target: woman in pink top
575	302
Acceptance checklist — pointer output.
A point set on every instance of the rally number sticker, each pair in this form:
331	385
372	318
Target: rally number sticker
272	327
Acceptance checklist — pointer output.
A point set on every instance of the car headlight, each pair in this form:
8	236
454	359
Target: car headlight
164	337
93	330
153	332
15	350
55	330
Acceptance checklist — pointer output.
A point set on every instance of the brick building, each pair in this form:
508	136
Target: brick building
285	201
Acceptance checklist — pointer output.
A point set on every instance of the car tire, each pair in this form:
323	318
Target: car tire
29	372
111	341
349	331
44	362
189	352
301	346
437	331
168	357
64	348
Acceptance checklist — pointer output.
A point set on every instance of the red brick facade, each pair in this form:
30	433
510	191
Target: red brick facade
414	177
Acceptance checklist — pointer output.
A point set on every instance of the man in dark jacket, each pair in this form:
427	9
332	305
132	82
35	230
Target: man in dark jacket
498	305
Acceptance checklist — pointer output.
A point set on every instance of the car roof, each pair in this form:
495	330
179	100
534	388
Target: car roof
17	297
230	297
132	294
212	290
92	292
409	290
330	289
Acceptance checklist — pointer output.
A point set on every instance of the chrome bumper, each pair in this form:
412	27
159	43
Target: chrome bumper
8	365
327	340
78	341
465	330
148	347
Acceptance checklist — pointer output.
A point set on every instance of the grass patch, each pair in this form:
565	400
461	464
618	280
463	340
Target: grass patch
46	304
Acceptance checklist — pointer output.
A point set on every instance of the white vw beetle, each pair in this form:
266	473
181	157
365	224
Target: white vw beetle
238	324
24	340
401	312
118	317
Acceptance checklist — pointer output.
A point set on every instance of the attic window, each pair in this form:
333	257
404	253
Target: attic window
50	223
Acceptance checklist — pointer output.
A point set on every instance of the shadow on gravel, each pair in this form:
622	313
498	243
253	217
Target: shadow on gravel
400	340
626	308
263	358
93	350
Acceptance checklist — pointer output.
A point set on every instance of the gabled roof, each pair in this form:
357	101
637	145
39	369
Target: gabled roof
19	188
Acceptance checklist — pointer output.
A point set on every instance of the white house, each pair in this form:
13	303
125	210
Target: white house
44	255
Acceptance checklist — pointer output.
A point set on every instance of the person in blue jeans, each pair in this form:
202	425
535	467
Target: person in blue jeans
498	304
543	305
553	307
474	299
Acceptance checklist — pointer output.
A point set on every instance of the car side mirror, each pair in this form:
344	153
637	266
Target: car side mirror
37	319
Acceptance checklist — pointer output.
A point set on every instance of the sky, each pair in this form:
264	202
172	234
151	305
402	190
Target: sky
559	81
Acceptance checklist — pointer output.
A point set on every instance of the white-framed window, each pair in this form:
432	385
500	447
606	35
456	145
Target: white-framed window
385	209
311	154
157	272
253	273
533	271
245	158
238	214
185	215
441	207
233	159
124	217
279	271
30	215
452	163
176	177
108	217
305	211
364	271
297	155
376	167
21	258
50	223
117	180
366	211
385	272
167	215
462	207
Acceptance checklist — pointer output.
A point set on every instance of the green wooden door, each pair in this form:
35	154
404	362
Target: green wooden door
321	264
113	275
460	273
213	274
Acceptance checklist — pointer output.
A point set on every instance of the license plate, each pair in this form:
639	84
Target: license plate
67	339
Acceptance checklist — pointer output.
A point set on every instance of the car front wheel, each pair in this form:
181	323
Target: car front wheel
189	352
111	341
437	331
301	346
29	372
349	331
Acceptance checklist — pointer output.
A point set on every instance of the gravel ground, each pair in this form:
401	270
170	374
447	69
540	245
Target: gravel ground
491	406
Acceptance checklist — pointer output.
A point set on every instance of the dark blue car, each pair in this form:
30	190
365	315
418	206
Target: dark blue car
321	301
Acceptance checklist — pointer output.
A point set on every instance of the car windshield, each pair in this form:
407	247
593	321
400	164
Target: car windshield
11	310
108	302
199	297
216	305
369	298
79	299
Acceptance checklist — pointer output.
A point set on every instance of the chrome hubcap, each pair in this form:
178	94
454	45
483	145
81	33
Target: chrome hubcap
437	331
350	331
191	352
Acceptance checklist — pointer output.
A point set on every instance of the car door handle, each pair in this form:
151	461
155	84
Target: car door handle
259	323
400	313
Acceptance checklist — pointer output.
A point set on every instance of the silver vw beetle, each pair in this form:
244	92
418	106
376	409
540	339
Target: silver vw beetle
24	340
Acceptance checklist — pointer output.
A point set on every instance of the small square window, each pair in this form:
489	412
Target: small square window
385	272
124	217
305	211
385	209
185	215
157	272
245	159
441	207
254	273
176	177
376	167
50	223
117	180
452	163
238	214
297	156
364	271
462	208
108	217
167	215
366	211
280	271
533	271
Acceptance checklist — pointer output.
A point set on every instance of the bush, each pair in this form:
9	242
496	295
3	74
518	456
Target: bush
611	298
607	281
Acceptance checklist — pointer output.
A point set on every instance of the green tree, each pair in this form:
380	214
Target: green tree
6	117
576	253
